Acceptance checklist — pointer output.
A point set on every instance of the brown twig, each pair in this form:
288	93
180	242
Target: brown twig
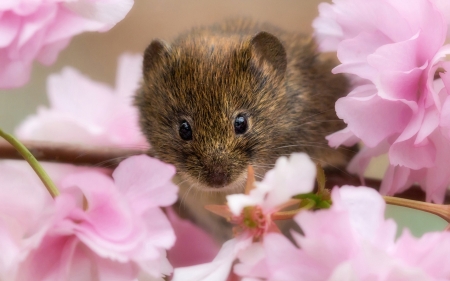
80	155
442	211
110	157
340	178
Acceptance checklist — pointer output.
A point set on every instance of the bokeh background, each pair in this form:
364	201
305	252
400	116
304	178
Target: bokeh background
95	55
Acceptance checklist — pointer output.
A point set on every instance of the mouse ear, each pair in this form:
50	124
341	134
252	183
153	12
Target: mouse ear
154	55
266	48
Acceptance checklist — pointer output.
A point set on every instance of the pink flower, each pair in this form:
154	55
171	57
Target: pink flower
349	241
41	29
107	229
253	212
394	49
290	177
88	112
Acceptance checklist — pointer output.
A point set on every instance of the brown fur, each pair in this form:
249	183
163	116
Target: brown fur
209	75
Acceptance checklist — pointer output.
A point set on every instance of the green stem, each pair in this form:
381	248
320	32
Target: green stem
26	154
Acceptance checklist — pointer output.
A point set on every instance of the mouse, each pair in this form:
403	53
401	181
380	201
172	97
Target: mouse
237	93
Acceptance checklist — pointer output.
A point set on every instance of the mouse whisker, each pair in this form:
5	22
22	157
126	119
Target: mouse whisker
316	114
316	121
318	145
110	162
185	195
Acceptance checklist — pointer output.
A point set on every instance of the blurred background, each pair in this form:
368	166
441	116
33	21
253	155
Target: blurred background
95	55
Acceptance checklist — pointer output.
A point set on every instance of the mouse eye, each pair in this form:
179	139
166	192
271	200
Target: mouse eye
185	131
240	124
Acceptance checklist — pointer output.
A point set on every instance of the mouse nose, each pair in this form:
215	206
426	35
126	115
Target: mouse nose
218	178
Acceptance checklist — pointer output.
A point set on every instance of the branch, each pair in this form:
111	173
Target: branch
81	155
110	157
342	178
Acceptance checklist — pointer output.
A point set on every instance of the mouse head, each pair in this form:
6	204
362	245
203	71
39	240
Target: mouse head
210	105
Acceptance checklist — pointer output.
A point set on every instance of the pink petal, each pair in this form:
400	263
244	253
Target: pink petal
58	125
399	74
366	208
41	29
429	124
328	33
330	226
36	22
108	12
26	213
438	178
444	8
219	268
253	262
290	177
64	258
395	180
428	252
411	155
9	28
78	99
128	75
237	202
13	73
424	16
10	257
83	111
67	24
108	226
51	261
193	245
160	234
141	178
343	137
353	54
287	262
49	53
371	118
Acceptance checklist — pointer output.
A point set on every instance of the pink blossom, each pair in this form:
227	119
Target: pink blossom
87	112
40	29
290	177
394	49
349	241
253	212
108	229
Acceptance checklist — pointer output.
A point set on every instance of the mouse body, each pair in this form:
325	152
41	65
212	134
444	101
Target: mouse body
238	93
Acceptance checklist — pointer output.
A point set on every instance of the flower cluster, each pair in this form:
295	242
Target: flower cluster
393	50
83	111
107	226
254	212
41	29
98	228
118	231
349	241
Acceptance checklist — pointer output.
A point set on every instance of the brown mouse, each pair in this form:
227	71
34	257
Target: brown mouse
235	94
